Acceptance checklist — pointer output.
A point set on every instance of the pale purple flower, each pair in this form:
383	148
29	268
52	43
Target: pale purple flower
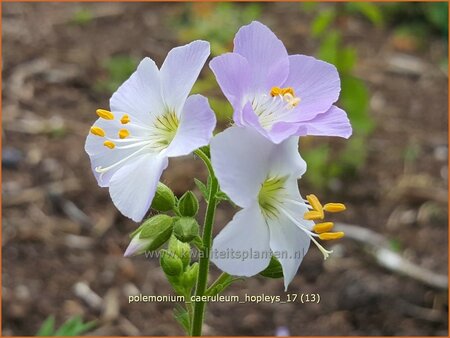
261	178
151	119
277	94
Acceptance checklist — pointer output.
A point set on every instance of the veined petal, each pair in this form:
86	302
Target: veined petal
280	131
334	122
242	247
133	187
140	96
240	158
317	84
103	157
288	242
196	127
234	78
266	55
179	72
285	160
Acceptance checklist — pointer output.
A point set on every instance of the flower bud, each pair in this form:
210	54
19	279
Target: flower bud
180	249
185	229
164	199
153	233
189	277
171	264
188	204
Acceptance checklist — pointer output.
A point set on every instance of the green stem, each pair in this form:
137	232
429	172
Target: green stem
202	278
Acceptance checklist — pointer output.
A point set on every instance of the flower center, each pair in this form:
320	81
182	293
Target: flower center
272	107
270	196
165	128
149	138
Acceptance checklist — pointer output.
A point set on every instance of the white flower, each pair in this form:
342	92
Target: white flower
261	178
151	119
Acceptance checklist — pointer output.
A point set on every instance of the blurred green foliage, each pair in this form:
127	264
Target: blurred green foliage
427	17
82	16
207	86
325	163
72	327
214	22
117	70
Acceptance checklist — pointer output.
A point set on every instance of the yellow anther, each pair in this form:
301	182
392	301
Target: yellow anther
323	227
109	144
275	91
334	207
313	215
287	90
326	236
124	133
314	202
105	114
97	131
125	119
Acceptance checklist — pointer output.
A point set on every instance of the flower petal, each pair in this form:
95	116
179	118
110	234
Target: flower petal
180	70
317	84
242	247
140	96
196	127
234	78
266	55
133	187
240	158
334	122
280	131
285	160
288	242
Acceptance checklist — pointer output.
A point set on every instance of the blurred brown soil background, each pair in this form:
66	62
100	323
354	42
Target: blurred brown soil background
63	240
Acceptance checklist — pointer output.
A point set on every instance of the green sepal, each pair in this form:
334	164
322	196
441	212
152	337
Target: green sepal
156	230
274	270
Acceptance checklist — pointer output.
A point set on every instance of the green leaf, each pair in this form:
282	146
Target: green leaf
216	289
47	327
74	327
274	270
182	317
221	196
202	187
322	22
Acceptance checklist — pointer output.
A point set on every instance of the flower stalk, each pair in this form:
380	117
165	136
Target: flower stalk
202	279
